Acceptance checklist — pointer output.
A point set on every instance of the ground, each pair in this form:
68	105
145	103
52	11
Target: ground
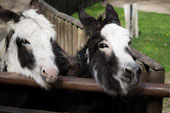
159	6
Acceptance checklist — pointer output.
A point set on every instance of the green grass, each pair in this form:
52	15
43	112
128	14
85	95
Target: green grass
154	37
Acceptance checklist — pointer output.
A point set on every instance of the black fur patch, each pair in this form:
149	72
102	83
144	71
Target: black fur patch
106	68
82	60
8	38
111	15
60	60
25	57
7	15
5	67
34	4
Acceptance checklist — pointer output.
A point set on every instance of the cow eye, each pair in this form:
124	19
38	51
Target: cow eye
103	45
26	42
20	41
129	42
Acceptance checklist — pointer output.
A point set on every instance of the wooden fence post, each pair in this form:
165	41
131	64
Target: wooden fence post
131	19
154	104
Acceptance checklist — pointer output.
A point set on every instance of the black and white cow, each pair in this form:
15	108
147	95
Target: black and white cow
106	56
29	48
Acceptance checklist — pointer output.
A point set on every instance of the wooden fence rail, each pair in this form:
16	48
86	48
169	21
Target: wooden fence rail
84	84
5	109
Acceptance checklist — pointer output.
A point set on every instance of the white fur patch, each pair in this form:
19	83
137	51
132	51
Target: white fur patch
2	54
95	73
87	55
38	31
107	50
118	38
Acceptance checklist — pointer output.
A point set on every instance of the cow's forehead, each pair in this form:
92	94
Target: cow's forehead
115	33
33	26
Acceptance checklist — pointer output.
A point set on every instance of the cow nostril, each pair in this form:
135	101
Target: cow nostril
139	70
43	71
128	71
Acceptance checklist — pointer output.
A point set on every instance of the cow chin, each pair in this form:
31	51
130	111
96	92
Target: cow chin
41	82
48	80
118	88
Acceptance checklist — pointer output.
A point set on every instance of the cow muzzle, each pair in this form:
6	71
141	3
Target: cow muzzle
49	73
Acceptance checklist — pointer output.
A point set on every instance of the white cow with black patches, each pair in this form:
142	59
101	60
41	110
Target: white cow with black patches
106	55
30	49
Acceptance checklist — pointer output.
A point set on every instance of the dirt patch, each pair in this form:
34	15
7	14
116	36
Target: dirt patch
15	5
158	6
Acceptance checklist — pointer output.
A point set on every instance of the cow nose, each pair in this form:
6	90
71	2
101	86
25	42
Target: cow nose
49	73
129	72
133	72
138	70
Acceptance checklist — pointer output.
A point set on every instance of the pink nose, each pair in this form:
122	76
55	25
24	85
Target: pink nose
49	73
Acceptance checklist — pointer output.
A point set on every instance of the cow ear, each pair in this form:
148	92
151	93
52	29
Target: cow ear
7	15
90	24
34	4
111	15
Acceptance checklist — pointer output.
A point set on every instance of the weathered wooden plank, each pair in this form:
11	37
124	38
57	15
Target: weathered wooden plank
55	26
42	9
51	16
54	22
5	109
156	76
59	31
80	37
66	36
75	39
131	19
145	59
144	77
85	84
154	104
70	39
48	14
45	12
62	34
60	14
84	38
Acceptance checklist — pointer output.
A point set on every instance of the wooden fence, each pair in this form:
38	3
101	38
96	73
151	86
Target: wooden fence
70	35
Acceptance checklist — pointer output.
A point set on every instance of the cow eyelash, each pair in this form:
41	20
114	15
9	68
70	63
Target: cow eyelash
20	41
25	42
